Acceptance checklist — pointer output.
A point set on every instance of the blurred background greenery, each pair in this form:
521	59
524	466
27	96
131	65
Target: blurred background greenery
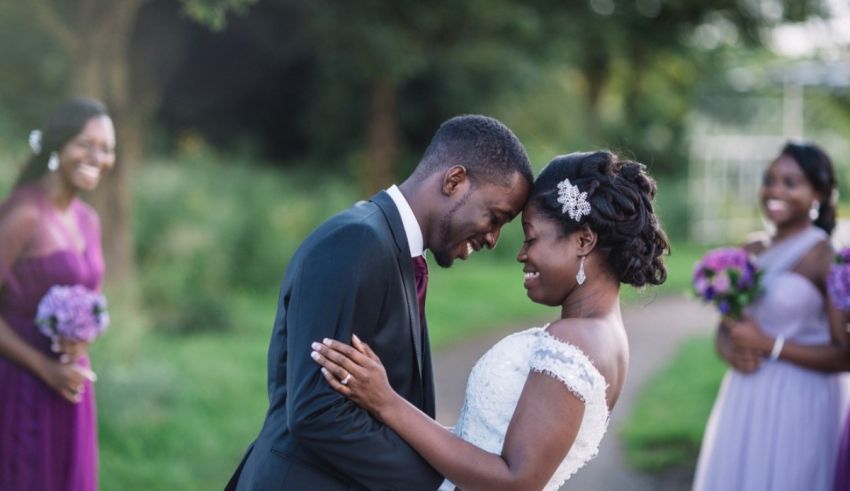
242	124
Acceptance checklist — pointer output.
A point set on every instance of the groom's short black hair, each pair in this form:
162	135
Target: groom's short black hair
488	150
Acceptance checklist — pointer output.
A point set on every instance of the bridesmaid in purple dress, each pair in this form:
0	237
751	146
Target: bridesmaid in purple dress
776	421
48	427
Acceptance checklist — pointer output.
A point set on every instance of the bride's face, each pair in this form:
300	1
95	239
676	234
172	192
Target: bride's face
550	260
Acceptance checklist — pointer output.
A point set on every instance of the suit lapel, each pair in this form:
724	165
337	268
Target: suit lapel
405	264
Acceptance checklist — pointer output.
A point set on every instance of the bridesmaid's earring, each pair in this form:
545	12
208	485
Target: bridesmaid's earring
53	162
580	276
814	211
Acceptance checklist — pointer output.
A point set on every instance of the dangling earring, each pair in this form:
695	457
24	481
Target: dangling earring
814	211
580	276
53	162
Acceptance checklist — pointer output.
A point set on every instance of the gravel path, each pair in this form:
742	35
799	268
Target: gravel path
656	328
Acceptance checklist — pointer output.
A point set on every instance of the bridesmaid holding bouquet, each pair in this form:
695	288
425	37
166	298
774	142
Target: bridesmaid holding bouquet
777	418
49	237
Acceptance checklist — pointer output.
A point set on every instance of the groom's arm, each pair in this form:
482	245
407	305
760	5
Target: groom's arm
340	288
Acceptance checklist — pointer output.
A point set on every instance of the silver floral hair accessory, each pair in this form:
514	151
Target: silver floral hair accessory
575	202
35	141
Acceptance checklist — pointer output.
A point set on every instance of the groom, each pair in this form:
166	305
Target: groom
363	272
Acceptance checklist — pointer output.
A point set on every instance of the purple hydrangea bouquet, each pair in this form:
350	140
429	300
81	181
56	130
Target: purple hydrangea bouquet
728	278
74	313
838	281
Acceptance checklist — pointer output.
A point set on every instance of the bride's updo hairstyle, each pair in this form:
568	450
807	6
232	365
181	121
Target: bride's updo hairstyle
620	194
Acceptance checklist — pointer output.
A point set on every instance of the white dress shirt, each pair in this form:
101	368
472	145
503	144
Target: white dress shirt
408	219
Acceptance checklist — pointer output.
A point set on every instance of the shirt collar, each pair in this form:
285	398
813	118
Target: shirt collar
408	219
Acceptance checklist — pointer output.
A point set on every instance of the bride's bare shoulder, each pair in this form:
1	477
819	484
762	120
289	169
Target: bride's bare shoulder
585	334
605	345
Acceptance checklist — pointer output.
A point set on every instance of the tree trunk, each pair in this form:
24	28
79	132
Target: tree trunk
595	66
113	201
379	167
632	93
101	61
595	70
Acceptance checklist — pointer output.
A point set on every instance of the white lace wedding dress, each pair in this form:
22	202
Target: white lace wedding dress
497	379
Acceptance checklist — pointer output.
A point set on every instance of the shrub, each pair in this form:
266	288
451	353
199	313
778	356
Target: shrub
206	228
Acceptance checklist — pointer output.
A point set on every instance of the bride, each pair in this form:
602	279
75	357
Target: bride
537	403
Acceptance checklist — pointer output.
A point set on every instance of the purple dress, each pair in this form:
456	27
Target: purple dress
777	428
46	442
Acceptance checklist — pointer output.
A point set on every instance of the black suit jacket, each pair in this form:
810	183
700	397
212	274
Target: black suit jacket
353	274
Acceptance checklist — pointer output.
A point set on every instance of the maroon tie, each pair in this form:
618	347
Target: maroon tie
420	270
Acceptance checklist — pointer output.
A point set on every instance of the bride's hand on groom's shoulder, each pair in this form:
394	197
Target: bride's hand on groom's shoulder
355	372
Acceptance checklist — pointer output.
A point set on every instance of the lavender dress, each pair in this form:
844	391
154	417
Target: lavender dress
46	442
777	428
842	471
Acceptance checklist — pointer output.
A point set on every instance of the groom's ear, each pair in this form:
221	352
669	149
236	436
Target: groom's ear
455	179
586	239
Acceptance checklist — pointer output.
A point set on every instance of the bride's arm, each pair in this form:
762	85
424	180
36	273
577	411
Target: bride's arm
541	432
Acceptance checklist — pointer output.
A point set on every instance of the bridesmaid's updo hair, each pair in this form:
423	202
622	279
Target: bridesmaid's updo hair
620	194
817	167
65	122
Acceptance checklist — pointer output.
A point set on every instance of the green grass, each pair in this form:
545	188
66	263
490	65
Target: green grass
665	427
177	411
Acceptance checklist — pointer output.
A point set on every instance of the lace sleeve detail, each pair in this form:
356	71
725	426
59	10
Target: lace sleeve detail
568	364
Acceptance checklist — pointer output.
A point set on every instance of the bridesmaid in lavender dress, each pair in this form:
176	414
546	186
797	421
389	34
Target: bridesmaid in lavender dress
48	431
777	418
